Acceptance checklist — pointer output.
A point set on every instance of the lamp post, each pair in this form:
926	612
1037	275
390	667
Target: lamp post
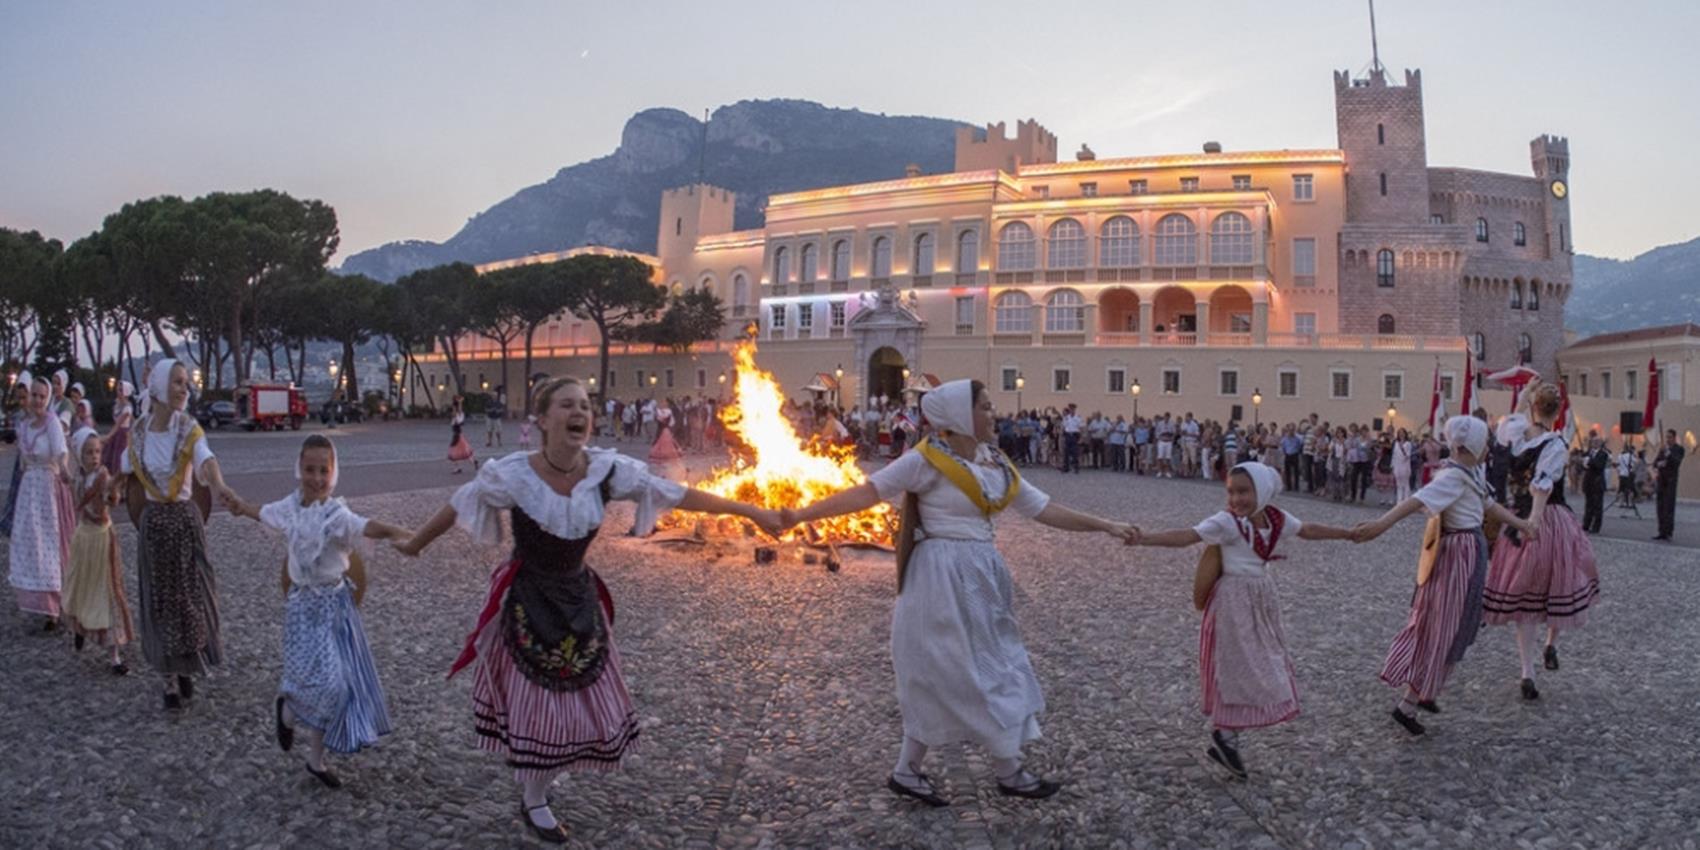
838	373
1020	382
1391	412
336	383
653	380
1256	402
1135	390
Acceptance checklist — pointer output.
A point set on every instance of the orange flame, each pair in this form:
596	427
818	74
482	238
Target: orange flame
784	471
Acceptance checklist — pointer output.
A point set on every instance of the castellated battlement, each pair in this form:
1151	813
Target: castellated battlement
1343	81
713	193
983	149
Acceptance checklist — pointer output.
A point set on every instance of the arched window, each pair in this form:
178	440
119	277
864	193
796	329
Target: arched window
1177	241
1481	230
740	292
1478	345
1067	245
1534	302
809	262
1525	348
1230	240
968	252
1517	295
923	255
1065	313
1384	324
841	260
1014	311
781	266
706	284
881	266
1015	248
1384	267
1519	234
1118	243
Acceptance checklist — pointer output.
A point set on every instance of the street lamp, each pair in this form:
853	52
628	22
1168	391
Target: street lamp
1390	414
111	383
197	377
1256	402
1135	390
653	380
1020	381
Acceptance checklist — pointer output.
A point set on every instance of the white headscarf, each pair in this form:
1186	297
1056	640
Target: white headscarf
336	467
84	408
950	407
126	390
159	385
25	380
1264	479
77	440
60	377
78	386
1467	433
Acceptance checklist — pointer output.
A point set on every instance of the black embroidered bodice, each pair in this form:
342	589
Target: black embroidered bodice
1521	472
552	619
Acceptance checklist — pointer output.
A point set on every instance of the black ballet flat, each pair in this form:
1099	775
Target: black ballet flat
173	702
120	669
1529	692
285	735
50	626
77	643
1227	755
1551	660
1038	790
186	687
930	797
1409	723
326	777
558	835
1429	706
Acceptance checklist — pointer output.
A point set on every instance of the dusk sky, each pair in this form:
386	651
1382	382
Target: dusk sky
411	117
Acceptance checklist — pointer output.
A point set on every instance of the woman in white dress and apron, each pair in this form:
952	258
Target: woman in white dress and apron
962	670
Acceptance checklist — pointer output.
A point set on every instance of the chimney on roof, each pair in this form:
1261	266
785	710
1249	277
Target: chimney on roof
1085	154
1212	147
912	170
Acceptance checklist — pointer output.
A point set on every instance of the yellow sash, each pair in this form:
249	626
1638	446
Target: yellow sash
180	468
959	474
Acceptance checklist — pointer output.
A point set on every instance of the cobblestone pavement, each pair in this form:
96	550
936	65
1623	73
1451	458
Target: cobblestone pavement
769	719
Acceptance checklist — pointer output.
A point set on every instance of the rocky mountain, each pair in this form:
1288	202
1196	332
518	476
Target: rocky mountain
1660	287
754	148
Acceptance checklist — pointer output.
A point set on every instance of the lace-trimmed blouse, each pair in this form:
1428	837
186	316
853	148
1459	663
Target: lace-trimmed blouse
511	482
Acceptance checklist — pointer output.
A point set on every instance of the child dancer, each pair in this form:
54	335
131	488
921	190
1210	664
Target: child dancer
525	427
94	577
460	450
1243	664
43	515
330	685
1446	610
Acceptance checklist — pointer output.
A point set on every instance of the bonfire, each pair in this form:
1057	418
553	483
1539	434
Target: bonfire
774	467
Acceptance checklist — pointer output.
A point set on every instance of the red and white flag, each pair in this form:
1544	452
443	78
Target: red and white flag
1652	393
1516	377
1563	419
1469	394
1436	411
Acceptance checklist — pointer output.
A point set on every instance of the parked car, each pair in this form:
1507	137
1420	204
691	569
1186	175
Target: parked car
340	412
216	414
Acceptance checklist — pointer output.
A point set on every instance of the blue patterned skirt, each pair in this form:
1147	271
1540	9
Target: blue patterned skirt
329	679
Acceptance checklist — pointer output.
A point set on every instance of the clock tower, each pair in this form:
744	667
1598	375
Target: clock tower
1550	157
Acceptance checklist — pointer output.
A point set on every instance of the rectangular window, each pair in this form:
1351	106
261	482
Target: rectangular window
1010	373
1436	218
805	317
777	323
1605	385
667	378
1339	383
837	314
1393	386
1384	184
640	379
1239	323
965	314
1629	384
1171	382
1304	261
702	379
1088	190
1582	384
1189	184
1446	383
1287	383
1061	380
1304	187
1228	382
1136	187
1242	182
1115	381
1041	192
1304	324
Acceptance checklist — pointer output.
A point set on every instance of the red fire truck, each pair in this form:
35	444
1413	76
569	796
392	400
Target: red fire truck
270	407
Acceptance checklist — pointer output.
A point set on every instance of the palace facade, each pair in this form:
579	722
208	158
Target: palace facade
1329	280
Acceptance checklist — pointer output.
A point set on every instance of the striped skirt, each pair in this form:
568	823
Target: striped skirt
329	680
543	732
1443	620
178	605
1247	676
1552	580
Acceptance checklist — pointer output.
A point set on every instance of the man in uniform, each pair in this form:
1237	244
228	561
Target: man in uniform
1594	468
1667	465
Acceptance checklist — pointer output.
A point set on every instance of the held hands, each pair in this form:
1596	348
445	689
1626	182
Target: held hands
770	521
407	545
1127	533
1530	529
1364	532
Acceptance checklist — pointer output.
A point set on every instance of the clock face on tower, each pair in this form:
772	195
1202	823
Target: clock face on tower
1559	190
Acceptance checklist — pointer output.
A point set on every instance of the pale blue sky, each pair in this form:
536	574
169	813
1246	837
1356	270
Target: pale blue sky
411	117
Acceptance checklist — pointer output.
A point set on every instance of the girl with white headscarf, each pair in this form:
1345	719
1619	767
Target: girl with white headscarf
168	455
330	683
42	518
962	670
95	604
1446	609
20	389
1246	673
118	439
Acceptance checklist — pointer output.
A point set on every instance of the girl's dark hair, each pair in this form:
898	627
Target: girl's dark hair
977	388
317	441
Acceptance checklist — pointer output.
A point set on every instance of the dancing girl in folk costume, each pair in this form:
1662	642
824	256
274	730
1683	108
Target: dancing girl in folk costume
95	604
1446	609
962	670
118	439
168	456
1548	574
460	451
1246	673
330	683
547	691
43	515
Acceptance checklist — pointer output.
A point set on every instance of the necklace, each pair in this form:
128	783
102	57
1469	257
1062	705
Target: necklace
557	468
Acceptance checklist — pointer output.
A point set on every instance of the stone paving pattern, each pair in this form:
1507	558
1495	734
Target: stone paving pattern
769	718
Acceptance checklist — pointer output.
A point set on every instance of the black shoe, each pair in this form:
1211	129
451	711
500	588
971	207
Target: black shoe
120	669
77	643
285	735
1429	706
186	687
326	777
173	702
1529	692
1034	789
51	625
1227	755
1410	723
1552	656
558	835
929	796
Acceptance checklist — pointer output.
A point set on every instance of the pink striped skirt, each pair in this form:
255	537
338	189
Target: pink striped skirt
543	732
1247	676
1553	579
1419	655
